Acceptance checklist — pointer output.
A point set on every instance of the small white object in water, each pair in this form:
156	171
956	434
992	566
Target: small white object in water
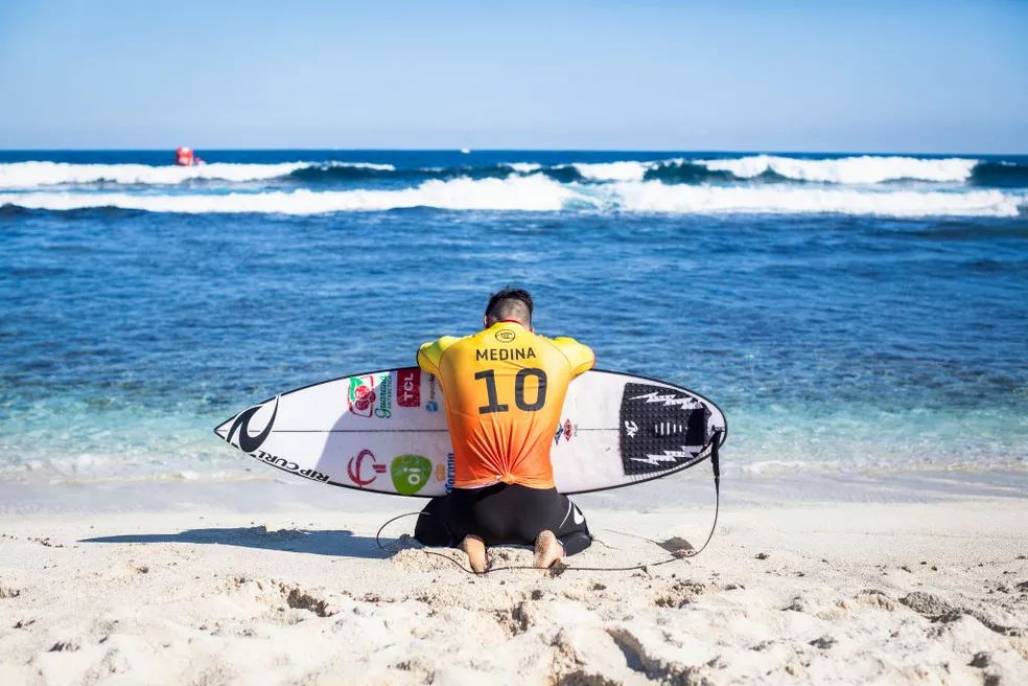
465	151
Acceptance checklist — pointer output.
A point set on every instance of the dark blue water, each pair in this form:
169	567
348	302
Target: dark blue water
841	340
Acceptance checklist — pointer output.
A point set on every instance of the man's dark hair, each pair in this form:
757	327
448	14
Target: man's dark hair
510	303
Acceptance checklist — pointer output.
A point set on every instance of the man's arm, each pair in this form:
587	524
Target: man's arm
429	354
581	357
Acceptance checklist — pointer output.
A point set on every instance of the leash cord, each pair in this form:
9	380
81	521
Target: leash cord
560	568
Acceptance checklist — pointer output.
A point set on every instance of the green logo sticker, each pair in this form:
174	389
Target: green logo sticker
410	473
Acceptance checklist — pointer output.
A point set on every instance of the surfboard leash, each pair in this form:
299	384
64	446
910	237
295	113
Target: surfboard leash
560	568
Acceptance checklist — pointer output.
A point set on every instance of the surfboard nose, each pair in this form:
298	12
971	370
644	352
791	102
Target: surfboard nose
221	430
237	430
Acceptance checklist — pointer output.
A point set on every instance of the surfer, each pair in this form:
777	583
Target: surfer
504	388
185	157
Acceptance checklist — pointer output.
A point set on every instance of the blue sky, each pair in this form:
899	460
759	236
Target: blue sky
773	75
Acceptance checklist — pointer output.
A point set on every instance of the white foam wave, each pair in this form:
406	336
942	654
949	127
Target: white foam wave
360	165
523	167
847	170
865	169
613	171
529	193
539	193
37	173
854	170
653	196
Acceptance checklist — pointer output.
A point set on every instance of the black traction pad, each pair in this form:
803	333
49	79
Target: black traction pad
661	428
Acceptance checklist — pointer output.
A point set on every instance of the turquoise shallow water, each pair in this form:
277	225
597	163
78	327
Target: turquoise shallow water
883	329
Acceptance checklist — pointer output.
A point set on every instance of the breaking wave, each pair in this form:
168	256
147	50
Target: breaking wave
539	193
653	196
334	172
612	171
853	170
532	193
1001	175
35	174
865	169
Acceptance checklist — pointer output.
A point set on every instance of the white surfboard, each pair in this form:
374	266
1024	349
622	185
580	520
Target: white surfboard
385	432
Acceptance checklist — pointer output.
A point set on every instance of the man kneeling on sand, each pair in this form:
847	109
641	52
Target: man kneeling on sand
504	389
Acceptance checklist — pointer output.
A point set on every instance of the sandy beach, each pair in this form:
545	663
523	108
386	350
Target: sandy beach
284	584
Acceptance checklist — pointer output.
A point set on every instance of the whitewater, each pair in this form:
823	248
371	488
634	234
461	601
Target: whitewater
875	185
539	194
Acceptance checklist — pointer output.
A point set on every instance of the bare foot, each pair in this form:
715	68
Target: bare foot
475	548
548	550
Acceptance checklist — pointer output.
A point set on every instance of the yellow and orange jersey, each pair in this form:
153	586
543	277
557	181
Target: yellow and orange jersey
504	389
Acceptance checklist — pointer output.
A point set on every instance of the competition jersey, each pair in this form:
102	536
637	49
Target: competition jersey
504	389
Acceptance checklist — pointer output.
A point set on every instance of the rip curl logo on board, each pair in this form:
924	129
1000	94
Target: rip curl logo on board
245	441
364	469
289	466
505	335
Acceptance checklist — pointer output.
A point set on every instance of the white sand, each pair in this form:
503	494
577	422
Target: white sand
211	593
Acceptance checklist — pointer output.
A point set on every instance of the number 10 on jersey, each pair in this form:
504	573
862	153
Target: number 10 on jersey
489	376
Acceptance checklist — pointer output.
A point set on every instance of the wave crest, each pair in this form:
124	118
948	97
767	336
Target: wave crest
40	173
538	193
532	193
1001	175
612	171
853	170
865	169
33	174
653	196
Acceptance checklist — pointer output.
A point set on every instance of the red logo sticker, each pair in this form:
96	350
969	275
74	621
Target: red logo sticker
408	387
361	395
360	476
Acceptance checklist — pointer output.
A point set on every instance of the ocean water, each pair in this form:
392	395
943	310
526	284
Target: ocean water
851	314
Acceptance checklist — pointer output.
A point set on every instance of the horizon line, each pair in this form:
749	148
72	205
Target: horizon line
759	151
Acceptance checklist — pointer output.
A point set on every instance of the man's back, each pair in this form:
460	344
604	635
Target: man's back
504	389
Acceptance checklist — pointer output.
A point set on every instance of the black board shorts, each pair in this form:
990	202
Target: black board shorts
503	514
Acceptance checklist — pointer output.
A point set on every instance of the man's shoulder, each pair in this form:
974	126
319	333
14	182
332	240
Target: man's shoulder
563	342
439	345
431	352
579	355
445	341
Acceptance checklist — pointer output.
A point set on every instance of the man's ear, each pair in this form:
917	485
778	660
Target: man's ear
485	321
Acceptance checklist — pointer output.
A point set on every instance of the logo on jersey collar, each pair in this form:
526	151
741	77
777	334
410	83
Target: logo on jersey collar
506	335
